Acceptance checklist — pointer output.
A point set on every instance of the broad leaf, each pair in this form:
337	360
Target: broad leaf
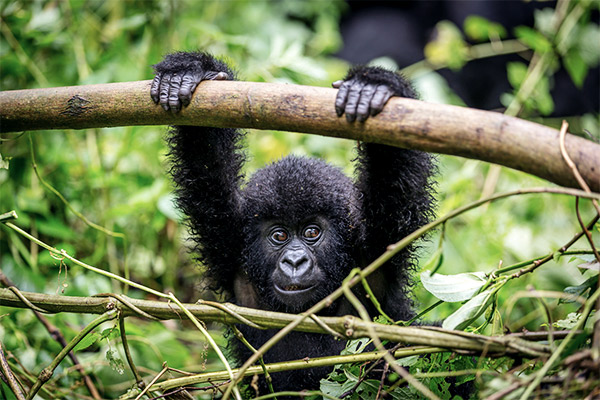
452	288
472	309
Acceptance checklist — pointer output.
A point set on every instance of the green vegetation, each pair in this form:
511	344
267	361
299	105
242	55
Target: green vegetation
103	195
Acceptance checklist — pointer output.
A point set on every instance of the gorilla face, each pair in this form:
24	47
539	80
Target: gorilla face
297	274
294	264
301	226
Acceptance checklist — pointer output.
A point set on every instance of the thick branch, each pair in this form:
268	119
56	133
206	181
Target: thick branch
477	134
348	326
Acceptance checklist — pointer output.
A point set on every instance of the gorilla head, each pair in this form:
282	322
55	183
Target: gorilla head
302	222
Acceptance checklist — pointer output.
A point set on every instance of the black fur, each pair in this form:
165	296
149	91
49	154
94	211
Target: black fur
228	217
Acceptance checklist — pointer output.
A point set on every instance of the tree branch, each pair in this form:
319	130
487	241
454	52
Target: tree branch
465	132
348	326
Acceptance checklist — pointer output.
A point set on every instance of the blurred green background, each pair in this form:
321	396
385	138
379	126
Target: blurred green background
117	177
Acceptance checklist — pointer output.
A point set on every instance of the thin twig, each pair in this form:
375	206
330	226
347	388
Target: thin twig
66	202
241	338
153	381
325	327
54	333
211	341
8	375
224	308
7	216
585	230
572	166
362	311
584	185
125	301
46	373
138	379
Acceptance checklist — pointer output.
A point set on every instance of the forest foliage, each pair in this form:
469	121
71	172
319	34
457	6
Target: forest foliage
63	183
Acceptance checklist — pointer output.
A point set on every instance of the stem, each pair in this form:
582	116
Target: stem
47	372
13	384
66	202
294	365
213	344
63	253
136	375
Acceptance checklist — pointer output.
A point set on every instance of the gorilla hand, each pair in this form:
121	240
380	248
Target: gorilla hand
177	78
365	90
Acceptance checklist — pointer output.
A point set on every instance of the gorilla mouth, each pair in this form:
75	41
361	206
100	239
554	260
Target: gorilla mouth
292	289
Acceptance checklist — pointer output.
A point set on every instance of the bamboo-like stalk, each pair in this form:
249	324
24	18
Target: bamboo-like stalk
471	133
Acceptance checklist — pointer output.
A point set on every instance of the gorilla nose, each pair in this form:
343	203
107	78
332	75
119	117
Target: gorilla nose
295	263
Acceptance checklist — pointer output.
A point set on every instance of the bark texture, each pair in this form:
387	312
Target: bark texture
465	132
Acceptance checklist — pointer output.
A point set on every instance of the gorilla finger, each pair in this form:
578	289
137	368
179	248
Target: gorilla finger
337	84
163	91
154	89
381	96
189	82
341	98
362	109
353	99
174	92
214	76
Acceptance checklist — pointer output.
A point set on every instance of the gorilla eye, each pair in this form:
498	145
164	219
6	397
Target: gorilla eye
279	236
312	232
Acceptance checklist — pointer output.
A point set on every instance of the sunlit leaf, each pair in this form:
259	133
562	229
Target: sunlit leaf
448	48
517	71
533	39
469	311
482	29
452	288
4	162
576	67
568	323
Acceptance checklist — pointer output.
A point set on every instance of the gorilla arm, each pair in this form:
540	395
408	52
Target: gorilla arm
206	165
394	182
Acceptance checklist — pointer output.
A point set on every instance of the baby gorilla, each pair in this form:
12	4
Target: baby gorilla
290	234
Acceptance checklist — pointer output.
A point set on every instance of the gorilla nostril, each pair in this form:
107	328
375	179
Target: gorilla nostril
295	263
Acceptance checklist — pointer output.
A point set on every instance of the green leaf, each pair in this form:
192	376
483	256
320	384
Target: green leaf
336	389
482	29
576	67
355	346
87	341
453	288
469	311
448	48
533	39
542	97
4	162
568	323
579	290
110	333
516	72
589	45
407	361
